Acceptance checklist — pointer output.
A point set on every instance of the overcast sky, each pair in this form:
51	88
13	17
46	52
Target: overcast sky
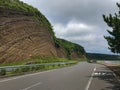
79	21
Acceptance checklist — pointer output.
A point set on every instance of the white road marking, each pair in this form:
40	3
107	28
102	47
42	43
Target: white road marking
32	86
9	79
90	80
99	73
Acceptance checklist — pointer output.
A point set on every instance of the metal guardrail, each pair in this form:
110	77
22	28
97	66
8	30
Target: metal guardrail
10	68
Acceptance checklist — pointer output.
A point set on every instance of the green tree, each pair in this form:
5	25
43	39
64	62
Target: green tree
114	23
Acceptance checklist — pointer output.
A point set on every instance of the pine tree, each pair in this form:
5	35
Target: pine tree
114	38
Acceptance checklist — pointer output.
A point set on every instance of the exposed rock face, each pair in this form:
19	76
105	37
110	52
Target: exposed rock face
75	55
61	52
21	37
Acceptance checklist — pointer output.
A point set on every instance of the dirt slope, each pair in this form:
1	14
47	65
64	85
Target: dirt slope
21	37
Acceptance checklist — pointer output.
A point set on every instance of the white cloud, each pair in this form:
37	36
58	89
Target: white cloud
86	35
75	30
79	21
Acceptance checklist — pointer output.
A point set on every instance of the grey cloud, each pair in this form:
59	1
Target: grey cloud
87	12
88	36
63	11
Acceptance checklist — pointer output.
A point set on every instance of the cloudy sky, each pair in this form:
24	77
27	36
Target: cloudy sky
79	21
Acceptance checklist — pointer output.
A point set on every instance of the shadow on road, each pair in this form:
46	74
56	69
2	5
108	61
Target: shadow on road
115	85
109	78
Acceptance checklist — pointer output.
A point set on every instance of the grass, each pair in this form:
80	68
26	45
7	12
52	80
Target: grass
39	60
30	69
29	10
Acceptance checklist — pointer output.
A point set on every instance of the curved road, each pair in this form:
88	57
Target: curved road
83	76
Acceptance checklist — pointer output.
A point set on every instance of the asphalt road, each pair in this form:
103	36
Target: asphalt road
83	76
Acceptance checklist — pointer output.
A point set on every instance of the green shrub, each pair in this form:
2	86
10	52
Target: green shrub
15	71
59	65
42	67
2	72
25	69
37	68
69	47
32	68
21	6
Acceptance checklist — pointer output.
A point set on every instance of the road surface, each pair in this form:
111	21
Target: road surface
83	76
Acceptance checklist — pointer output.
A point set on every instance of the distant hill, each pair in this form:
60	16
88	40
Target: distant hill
98	56
73	50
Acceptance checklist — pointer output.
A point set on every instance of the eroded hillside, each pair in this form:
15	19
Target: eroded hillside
25	34
22	37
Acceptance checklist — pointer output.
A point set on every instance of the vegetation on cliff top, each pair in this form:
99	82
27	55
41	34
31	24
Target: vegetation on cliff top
20	6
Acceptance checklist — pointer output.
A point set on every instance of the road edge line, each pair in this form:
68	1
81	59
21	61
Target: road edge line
18	77
90	80
32	86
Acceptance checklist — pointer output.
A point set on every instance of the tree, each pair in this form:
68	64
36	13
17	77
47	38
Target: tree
114	38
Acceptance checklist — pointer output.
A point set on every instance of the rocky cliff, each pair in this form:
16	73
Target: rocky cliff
24	34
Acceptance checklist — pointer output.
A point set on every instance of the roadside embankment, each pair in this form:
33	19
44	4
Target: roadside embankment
115	68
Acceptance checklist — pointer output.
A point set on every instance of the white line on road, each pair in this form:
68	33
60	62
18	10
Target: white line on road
32	86
90	80
9	79
18	77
